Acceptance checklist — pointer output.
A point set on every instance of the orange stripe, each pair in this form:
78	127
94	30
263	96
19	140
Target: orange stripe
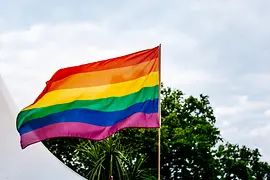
122	61
118	62
105	77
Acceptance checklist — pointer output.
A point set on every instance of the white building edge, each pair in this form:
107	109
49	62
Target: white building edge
33	163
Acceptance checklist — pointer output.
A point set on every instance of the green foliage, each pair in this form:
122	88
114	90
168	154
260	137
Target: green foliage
240	163
97	158
187	136
101	156
189	147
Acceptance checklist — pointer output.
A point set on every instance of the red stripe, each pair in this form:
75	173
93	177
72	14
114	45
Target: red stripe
122	61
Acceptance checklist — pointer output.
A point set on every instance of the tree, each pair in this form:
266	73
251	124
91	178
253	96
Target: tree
100	159
240	163
188	134
105	158
189	147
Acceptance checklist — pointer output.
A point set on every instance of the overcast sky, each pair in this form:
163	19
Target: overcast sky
216	47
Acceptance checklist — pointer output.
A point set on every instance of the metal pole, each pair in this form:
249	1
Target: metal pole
110	173
159	112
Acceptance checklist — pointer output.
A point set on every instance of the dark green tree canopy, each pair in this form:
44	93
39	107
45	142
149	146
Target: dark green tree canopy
191	146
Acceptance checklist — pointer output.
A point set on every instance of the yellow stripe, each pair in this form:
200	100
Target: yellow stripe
96	92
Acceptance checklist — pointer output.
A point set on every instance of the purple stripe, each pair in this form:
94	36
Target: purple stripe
88	131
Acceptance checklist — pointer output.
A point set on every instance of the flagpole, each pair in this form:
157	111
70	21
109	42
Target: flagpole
110	172
159	111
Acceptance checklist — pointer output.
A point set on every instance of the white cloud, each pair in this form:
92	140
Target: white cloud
243	122
31	56
267	113
218	48
259	80
240	105
261	131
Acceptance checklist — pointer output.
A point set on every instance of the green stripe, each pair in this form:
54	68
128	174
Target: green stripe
105	104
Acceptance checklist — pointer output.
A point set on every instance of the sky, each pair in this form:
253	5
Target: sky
218	48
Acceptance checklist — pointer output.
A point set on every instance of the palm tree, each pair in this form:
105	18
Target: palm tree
135	168
105	158
109	157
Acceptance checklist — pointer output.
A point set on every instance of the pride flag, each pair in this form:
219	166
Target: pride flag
95	100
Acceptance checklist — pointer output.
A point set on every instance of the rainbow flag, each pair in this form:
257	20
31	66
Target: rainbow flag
95	100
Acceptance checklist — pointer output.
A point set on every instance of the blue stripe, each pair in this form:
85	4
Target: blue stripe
90	116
